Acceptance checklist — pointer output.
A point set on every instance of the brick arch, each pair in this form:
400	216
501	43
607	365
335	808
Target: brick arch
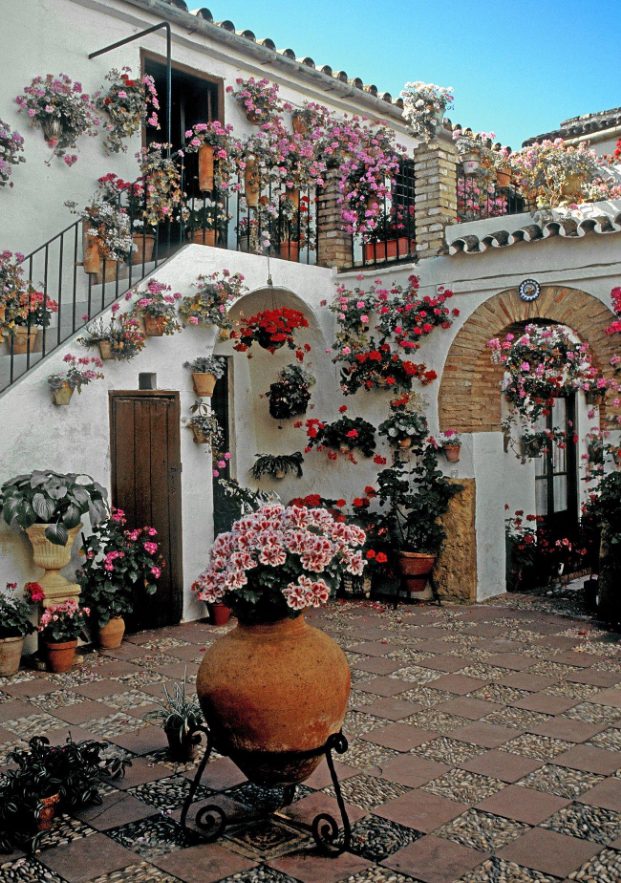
469	398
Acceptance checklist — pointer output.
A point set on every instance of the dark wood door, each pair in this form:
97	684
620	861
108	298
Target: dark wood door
146	484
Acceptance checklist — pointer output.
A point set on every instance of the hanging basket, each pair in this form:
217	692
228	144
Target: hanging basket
205	167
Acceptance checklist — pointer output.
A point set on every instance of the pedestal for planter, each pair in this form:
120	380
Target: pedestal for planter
52	559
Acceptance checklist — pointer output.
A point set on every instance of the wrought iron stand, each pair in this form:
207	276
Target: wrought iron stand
211	820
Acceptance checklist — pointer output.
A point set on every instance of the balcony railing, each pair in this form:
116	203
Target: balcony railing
395	236
480	197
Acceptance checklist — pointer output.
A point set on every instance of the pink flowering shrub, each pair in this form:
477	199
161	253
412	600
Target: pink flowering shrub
119	563
63	622
80	371
278	561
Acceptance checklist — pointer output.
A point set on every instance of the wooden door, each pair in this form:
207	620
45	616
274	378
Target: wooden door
146	484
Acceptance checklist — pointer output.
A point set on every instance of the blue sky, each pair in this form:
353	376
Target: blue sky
517	68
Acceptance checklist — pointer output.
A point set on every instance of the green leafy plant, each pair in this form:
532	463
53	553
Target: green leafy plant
277	465
342	435
413	498
47	497
14	613
75	771
215	365
179	714
290	394
404	423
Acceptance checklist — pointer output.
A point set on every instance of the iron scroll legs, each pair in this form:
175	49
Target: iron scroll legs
211	820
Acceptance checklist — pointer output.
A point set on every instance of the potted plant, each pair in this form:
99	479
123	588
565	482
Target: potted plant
424	105
216	150
206	371
271	329
47	778
341	436
277	465
205	427
180	715
77	374
290	394
157	305
11	149
292	559
206	223
131	197
118	563
63	111
449	443
107	238
413	498
15	624
258	98
552	173
161	184
60	627
377	366
405	424
23	309
129	104
120	338
216	292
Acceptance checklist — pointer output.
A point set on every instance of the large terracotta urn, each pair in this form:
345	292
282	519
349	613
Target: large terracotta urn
52	558
271	689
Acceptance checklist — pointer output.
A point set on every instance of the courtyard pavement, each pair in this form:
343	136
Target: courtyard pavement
484	746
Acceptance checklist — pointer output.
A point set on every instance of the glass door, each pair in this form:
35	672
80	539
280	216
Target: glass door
556	487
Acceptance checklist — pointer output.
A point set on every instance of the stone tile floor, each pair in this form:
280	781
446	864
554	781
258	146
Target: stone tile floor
484	746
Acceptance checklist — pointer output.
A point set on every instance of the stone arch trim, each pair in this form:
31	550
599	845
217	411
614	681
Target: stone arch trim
469	399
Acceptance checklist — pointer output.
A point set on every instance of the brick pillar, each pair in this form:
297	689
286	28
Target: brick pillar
435	172
334	246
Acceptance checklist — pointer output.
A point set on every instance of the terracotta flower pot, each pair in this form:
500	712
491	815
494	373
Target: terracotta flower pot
110	636
23	339
204	237
145	245
105	350
415	569
452	453
154	326
47	811
60	656
289	250
205	167
267	690
219	613
503	179
405	442
299	124
62	395
389	248
251	183
10	655
204	384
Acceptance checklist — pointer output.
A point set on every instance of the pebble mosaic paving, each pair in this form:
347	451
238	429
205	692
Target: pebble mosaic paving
532	679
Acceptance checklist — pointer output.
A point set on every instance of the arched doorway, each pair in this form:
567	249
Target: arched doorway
470	402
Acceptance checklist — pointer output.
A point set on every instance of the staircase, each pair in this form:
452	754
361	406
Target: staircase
55	269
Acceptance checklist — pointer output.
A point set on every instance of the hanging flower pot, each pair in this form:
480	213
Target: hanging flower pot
452	453
155	326
52	130
61	656
264	339
405	442
298	123
200	438
110	635
415	568
292	195
503	178
204	384
572	186
270	691
205	167
252	186
595	396
62	395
